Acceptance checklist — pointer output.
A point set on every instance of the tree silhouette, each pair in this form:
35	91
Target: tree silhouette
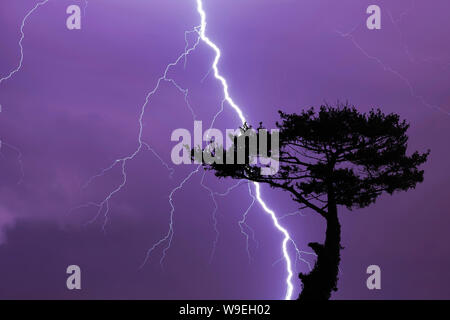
334	157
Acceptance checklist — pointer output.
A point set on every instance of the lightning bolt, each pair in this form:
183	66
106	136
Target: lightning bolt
167	239
13	72
22	37
201	32
287	238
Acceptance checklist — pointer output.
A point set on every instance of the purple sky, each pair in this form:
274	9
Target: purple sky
73	109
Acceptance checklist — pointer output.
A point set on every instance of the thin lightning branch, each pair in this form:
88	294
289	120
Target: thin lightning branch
169	236
205	76
106	170
214	215
295	213
86	3
101	174
22	37
227	192
19	158
394	72
83	206
186	100
169	168
298	256
218	76
104	205
413	59
243	223
407	11
17	69
87	205
402	40
186	41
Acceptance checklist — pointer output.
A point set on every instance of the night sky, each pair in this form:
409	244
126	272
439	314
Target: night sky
73	109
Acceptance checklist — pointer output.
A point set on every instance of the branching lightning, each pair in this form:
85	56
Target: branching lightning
103	206
200	31
12	73
243	224
213	215
167	239
22	37
123	161
169	236
412	90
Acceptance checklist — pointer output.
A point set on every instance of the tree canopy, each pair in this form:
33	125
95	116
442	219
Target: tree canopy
357	155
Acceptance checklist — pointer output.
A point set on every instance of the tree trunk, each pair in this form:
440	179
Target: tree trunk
322	280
